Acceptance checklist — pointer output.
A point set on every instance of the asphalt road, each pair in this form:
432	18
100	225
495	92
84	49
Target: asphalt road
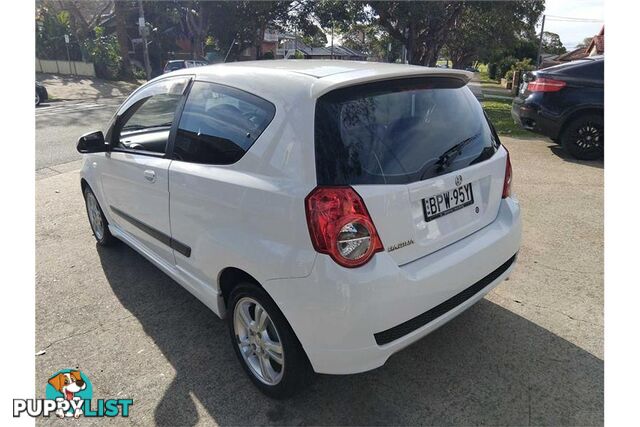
59	124
530	353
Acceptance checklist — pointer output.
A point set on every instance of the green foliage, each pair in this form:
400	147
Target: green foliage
298	55
504	65
551	43
51	28
105	54
268	55
492	70
499	112
521	66
315	38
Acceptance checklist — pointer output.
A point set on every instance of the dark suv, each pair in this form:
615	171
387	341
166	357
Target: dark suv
566	103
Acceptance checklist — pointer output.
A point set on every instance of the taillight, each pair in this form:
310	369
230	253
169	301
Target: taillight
545	85
340	226
508	176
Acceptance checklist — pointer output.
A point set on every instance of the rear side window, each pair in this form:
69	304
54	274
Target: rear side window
399	131
219	124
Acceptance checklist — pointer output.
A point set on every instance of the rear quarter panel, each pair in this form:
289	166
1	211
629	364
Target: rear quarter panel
250	215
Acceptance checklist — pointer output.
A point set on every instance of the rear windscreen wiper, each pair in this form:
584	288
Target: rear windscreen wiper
445	159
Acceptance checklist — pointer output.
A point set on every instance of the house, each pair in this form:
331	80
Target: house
548	59
596	47
328	52
289	45
578	53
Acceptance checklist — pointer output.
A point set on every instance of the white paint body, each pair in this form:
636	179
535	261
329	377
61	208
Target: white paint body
251	216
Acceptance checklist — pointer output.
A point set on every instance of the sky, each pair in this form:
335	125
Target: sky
572	33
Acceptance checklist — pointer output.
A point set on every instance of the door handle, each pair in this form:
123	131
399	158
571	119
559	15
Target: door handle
150	175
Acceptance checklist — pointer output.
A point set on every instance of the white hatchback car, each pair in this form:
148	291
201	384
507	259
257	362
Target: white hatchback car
333	211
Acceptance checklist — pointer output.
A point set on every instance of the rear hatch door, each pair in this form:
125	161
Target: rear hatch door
421	154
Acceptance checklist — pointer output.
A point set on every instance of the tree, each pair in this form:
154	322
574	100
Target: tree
373	41
584	43
85	17
488	31
422	27
244	22
120	15
551	43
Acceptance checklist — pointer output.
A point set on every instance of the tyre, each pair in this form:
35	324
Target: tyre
583	137
98	222
265	344
37	98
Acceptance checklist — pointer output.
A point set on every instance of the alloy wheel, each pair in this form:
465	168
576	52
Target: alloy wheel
258	340
589	136
95	216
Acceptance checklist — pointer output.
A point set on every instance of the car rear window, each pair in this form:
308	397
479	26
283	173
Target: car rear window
399	131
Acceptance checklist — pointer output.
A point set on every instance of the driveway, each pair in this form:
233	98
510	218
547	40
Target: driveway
531	352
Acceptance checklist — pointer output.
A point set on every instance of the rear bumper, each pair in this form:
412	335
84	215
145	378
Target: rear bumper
530	116
352	320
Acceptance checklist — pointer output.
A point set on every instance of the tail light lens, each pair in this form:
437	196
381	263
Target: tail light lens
545	85
508	177
340	226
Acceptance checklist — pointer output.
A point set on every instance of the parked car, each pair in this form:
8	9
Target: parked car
179	64
472	69
333	215
566	103
41	93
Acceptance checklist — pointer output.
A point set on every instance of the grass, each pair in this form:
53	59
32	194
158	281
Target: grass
499	111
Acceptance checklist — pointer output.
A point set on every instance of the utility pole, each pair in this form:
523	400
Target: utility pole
142	27
295	41
332	36
540	45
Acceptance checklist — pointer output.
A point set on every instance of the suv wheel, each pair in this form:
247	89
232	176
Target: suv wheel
98	222
583	137
265	343
37	98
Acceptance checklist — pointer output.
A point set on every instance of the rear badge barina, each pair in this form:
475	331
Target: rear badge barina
400	245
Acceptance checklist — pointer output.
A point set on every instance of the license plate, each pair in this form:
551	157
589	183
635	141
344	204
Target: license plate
447	202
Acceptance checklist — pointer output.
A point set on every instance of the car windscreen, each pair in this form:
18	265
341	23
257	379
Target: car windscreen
175	65
399	131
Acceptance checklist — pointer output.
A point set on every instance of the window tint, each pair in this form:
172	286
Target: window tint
219	124
397	132
149	126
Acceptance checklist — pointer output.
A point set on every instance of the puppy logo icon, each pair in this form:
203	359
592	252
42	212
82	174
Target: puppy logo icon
72	386
69	394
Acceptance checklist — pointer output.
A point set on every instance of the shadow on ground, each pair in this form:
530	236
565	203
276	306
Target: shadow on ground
559	151
85	87
488	366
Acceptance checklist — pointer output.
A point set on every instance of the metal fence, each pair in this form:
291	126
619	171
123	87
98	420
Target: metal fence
54	66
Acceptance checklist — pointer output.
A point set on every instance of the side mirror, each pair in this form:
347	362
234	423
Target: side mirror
92	142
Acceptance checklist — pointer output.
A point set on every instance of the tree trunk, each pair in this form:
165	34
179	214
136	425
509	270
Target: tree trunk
123	39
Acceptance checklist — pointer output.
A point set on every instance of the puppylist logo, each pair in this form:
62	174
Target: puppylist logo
68	395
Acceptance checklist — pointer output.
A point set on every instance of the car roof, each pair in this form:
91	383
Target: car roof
268	78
